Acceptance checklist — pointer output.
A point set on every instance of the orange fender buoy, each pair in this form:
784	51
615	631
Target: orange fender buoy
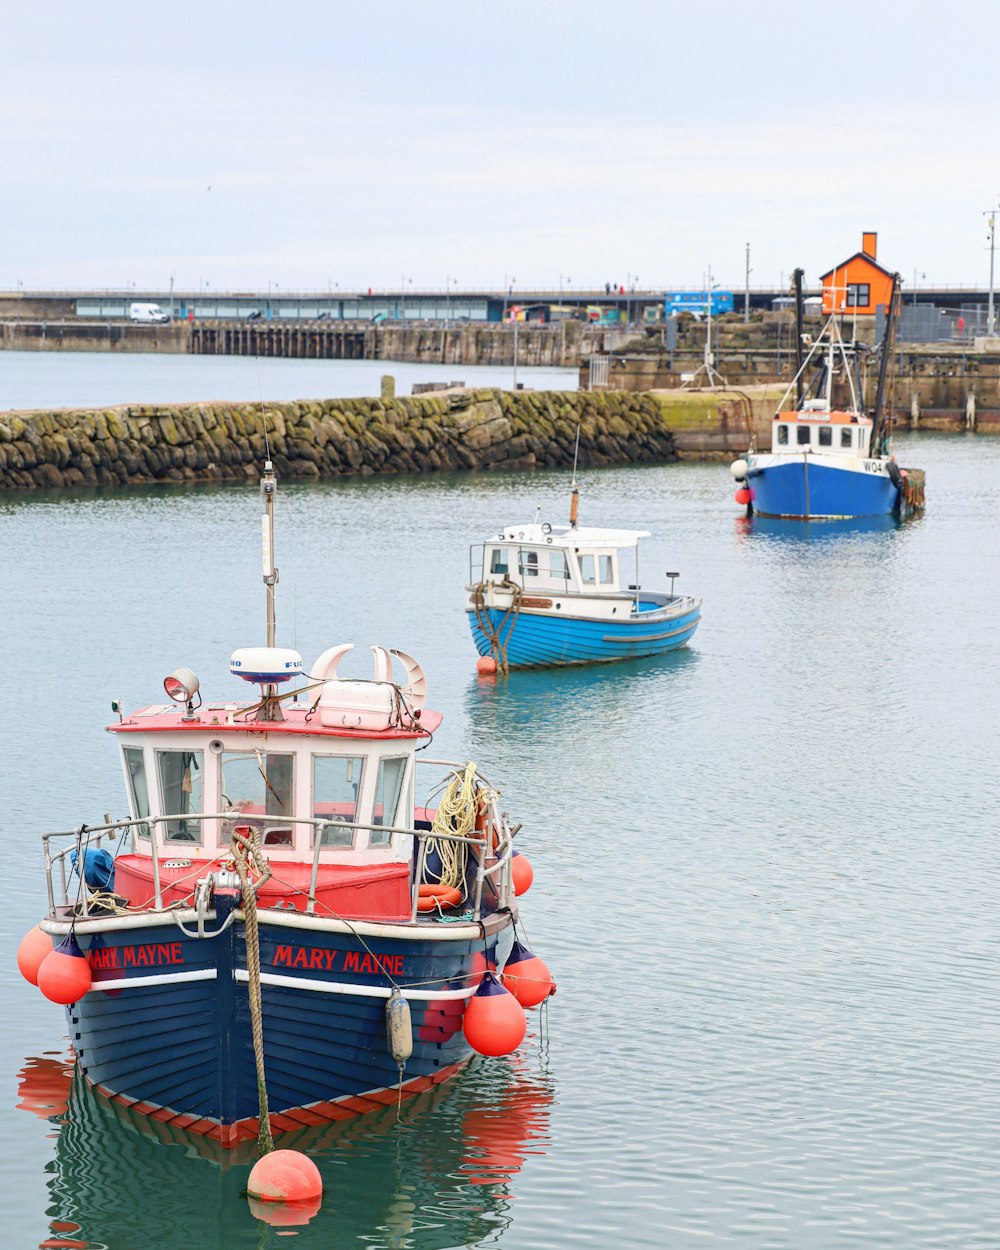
430	895
527	977
494	1023
64	975
521	873
35	947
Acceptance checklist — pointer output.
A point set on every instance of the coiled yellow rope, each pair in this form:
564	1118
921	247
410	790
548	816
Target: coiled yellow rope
457	813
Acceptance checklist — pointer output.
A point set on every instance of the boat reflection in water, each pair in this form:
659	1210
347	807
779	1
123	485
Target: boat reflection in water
424	1181
784	529
548	709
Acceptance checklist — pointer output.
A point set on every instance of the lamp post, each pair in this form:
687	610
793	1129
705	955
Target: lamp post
746	297
991	321
525	309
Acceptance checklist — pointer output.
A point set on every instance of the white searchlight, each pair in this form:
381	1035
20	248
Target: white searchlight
182	686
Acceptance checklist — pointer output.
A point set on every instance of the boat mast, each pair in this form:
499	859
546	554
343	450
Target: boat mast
879	416
270	709
574	498
797	278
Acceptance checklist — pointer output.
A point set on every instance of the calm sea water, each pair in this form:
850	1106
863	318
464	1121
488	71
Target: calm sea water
96	379
765	868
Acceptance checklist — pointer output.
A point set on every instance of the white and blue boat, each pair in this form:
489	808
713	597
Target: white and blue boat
561	594
278	881
829	457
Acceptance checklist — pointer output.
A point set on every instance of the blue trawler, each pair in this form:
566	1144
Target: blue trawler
277	915
559	594
830	458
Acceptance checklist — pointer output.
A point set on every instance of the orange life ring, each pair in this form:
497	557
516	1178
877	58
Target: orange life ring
430	894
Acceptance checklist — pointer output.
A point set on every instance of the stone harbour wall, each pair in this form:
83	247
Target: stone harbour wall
468	429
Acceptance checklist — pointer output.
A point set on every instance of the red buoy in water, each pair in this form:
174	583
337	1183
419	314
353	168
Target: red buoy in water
742	496
526	976
494	1022
64	974
521	873
35	947
285	1176
486	664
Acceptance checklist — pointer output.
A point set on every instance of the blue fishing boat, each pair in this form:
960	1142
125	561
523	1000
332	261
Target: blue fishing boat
829	457
560	594
279	933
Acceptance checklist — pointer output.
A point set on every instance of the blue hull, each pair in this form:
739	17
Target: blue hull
799	489
534	639
183	1042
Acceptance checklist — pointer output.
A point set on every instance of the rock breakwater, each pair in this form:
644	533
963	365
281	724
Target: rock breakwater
469	429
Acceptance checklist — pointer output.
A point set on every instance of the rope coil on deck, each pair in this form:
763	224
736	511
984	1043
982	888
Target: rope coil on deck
457	813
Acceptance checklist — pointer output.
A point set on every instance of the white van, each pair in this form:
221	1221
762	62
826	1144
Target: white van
147	312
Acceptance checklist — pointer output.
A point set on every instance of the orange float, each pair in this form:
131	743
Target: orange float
35	947
64	974
521	873
495	1023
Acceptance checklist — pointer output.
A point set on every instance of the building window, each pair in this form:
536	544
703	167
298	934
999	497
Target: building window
859	294
802	435
782	435
845	438
825	436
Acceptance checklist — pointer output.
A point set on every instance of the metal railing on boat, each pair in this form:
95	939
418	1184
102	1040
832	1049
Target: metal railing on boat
494	842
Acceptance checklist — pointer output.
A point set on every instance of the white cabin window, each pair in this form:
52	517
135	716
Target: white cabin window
588	570
500	560
260	785
846	437
138	787
336	786
782	435
388	789
181	775
825	436
558	565
802	435
527	563
605	565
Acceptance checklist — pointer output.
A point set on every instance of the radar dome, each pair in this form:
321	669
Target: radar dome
266	666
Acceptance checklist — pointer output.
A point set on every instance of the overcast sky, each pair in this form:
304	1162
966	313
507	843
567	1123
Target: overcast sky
318	143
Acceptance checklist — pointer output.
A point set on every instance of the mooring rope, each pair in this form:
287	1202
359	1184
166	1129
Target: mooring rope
498	647
245	844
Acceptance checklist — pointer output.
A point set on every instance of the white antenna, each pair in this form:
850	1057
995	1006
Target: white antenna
712	375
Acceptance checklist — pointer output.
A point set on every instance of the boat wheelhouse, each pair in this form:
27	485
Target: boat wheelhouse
293	870
541	594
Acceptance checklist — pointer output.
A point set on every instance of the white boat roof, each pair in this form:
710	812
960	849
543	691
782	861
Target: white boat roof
565	536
